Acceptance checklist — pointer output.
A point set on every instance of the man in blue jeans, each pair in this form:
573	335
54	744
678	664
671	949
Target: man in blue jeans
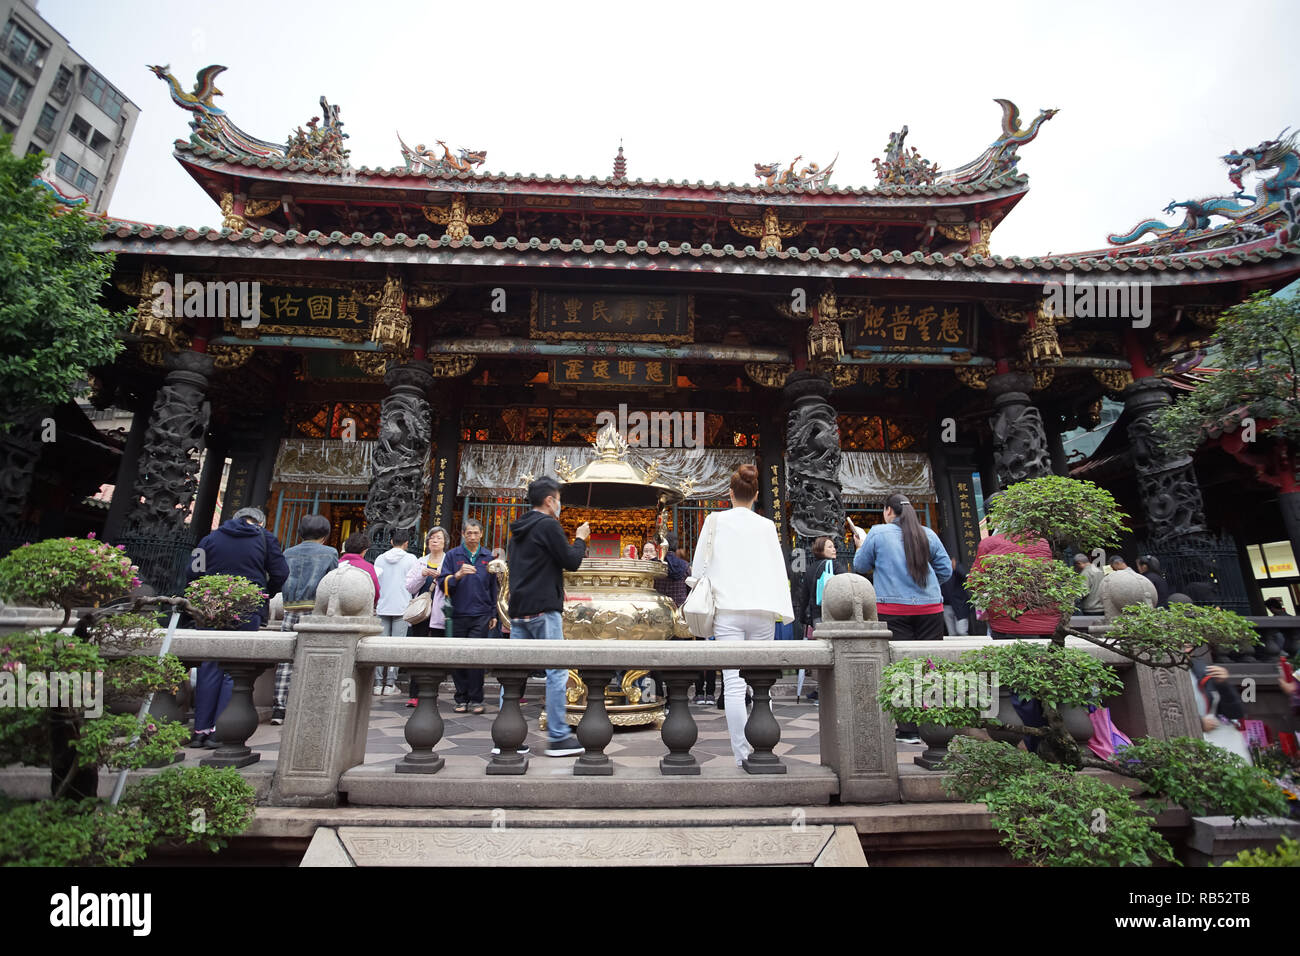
539	555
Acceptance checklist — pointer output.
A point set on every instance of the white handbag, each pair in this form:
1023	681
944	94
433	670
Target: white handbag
699	608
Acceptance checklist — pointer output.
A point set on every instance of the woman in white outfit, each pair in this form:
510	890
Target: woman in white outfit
740	553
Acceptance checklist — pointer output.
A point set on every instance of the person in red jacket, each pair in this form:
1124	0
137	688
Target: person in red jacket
1034	623
357	544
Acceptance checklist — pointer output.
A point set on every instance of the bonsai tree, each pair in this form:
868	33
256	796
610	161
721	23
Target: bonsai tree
67	573
1048	811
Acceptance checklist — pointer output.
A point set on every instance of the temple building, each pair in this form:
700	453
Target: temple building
403	347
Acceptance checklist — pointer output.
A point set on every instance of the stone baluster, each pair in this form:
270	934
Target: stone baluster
424	727
239	720
762	731
679	730
595	730
509	729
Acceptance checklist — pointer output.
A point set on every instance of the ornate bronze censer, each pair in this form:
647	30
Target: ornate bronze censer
614	598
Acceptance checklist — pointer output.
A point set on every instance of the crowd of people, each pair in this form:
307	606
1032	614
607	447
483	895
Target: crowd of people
920	590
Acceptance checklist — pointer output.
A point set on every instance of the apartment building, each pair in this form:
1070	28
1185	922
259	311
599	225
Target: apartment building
53	101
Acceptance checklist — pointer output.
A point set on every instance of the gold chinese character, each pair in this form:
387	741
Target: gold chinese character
348	309
627	311
871	376
600	313
654	372
286	306
949	327
627	369
600	369
924	319
655	310
571	307
891	379
873	321
573	370
900	321
320	308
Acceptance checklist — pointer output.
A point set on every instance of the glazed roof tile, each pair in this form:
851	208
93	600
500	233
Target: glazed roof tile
1002	181
1213	259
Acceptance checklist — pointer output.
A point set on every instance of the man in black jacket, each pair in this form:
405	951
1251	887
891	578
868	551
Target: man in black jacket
539	554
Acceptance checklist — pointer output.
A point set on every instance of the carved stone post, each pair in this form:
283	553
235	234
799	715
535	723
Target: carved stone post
509	729
1020	449
761	730
424	727
679	730
239	720
813	450
594	729
397	483
169	462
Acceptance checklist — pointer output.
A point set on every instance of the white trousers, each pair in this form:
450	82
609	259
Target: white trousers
739	626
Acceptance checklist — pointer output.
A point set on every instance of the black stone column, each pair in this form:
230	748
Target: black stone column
1167	484
813	449
396	484
20	450
445	467
1019	439
251	444
127	471
205	503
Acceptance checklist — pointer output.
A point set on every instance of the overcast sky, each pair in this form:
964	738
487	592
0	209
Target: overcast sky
1150	94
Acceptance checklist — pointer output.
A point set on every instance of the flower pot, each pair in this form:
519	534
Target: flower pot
936	739
1078	724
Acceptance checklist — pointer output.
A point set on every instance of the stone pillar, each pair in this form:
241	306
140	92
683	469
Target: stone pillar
205	503
1019	439
20	450
813	451
127	470
397	483
251	463
857	736
1056	447
1171	495
329	717
771	477
169	461
445	465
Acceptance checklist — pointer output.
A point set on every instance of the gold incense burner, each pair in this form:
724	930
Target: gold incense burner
613	598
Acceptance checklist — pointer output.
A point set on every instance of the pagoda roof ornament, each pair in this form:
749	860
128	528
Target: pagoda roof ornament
1272	209
620	163
903	168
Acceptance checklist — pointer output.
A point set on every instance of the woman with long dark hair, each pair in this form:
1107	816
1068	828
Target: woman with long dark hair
909	563
740	553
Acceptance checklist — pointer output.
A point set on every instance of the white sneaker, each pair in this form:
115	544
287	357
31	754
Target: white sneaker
389	690
379	690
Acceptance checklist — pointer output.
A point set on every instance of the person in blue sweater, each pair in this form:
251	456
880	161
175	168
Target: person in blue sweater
909	563
472	589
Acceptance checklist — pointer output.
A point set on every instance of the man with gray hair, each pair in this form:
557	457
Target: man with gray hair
472	590
1090	603
241	546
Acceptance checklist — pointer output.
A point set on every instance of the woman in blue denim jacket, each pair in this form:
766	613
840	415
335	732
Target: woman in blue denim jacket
910	563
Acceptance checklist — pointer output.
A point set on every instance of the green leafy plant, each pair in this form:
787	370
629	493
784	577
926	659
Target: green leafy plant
123	632
925	691
1061	510
108	741
139	675
1203	779
66	573
225	599
1014	584
203	805
1257	344
1159	636
53	330
68	833
1056	676
1287	853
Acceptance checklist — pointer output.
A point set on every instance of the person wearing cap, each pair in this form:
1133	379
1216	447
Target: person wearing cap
1090	603
1149	568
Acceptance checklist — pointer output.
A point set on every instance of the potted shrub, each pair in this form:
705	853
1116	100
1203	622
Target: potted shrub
66	573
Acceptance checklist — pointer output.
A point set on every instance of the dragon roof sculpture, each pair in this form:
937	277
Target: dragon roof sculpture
1271	210
422	160
811	176
211	126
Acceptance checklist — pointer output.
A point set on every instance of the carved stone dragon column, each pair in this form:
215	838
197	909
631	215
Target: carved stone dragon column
405	435
1170	492
813	452
167	479
1020	449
